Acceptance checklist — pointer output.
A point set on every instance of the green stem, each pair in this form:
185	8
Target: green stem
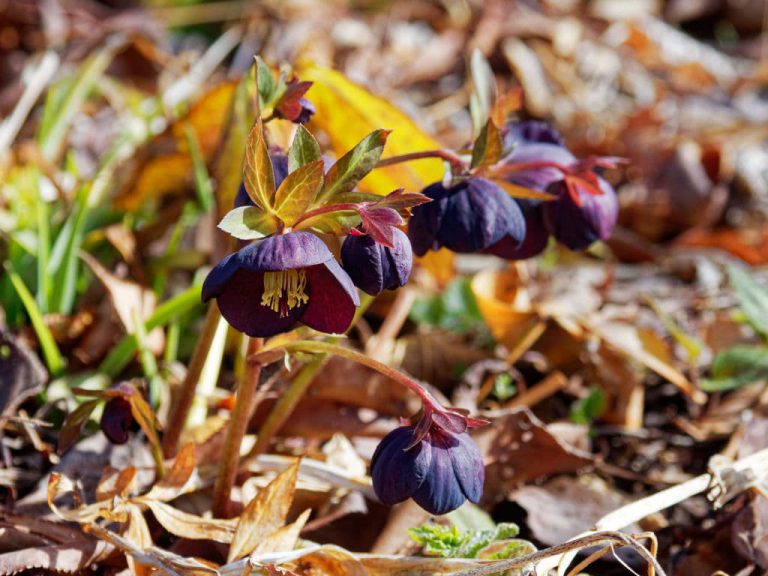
230	459
186	396
457	164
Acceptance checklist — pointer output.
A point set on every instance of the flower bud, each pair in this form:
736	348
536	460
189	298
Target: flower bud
374	267
530	132
468	217
116	420
536	235
578	222
439	472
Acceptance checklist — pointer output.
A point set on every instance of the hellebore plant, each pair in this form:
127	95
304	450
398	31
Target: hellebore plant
518	186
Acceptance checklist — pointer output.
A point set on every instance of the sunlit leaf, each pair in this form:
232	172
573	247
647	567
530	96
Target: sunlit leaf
487	148
304	149
258	176
483	90
297	191
353	166
265	514
346	112
248	223
736	367
186	525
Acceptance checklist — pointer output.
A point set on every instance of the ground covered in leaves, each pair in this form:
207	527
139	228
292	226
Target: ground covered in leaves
634	372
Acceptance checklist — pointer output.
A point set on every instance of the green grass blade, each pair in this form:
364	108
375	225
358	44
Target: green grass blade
51	353
121	355
43	254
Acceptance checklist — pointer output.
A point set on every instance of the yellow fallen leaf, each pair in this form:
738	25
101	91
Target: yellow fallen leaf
347	112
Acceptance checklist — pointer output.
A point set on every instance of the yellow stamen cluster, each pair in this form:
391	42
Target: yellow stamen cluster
284	290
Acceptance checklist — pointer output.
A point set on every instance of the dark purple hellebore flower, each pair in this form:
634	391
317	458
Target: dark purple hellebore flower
116	420
307	111
536	235
374	267
468	217
268	286
530	131
579	221
439	472
538	178
280	170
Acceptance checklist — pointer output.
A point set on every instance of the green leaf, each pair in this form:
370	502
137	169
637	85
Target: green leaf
203	185
353	166
265	83
73	425
736	367
51	353
450	542
336	223
121	355
248	223
586	410
488	145
752	297
454	310
297	192
258	176
304	149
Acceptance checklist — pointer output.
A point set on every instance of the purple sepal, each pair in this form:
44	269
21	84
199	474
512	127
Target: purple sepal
374	267
578	226
468	217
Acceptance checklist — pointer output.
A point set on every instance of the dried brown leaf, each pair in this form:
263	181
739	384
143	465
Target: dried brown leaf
115	482
265	514
138	535
190	526
174	480
285	538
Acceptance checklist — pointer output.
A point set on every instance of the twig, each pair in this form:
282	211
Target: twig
561	549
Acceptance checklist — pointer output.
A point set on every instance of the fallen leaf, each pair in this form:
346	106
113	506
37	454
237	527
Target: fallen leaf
265	514
347	112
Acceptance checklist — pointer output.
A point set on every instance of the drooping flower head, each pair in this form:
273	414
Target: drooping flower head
374	267
467	217
435	462
268	286
116	420
579	217
536	235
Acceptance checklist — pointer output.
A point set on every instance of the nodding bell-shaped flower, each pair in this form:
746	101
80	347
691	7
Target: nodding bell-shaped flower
374	267
116	420
536	235
529	132
435	462
268	286
467	217
580	217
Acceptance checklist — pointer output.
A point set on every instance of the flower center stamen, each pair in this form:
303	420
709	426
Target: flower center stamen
284	290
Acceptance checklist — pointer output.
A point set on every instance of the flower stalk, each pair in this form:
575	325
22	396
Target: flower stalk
457	164
238	423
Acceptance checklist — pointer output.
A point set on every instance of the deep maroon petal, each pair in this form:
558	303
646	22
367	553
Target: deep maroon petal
280	170
284	252
468	466
332	298
440	492
398	473
240	304
116	420
400	258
